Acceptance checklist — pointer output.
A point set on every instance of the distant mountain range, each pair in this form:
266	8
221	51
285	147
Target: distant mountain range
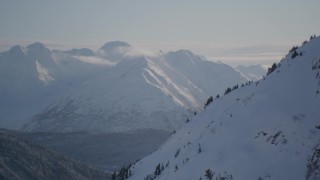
268	129
114	89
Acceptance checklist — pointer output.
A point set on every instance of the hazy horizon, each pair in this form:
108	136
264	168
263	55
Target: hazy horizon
246	32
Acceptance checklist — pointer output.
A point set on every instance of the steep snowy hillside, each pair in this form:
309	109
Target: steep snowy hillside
139	92
252	72
269	129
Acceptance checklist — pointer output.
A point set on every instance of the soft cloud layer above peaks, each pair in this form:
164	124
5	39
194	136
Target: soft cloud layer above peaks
211	28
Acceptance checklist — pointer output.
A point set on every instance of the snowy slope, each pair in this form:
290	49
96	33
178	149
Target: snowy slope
269	129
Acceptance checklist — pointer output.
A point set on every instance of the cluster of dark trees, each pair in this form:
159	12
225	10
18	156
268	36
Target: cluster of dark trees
209	174
158	170
272	68
294	52
294	48
123	174
312	37
210	99
228	90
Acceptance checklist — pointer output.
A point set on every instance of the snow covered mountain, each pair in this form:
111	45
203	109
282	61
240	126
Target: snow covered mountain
32	77
139	92
25	74
269	129
252	72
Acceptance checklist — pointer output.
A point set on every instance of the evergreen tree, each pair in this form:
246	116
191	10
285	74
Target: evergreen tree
188	120
209	174
177	153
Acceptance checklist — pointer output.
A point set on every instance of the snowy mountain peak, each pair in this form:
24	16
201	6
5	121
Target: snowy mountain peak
17	51
114	50
37	47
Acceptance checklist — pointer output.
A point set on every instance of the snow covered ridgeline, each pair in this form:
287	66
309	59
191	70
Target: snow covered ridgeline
269	129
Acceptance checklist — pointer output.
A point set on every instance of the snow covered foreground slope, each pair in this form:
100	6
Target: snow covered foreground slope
269	129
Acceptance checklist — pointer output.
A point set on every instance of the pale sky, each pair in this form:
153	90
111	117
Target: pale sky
234	31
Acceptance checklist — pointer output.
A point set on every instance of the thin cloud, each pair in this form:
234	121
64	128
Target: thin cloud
95	60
